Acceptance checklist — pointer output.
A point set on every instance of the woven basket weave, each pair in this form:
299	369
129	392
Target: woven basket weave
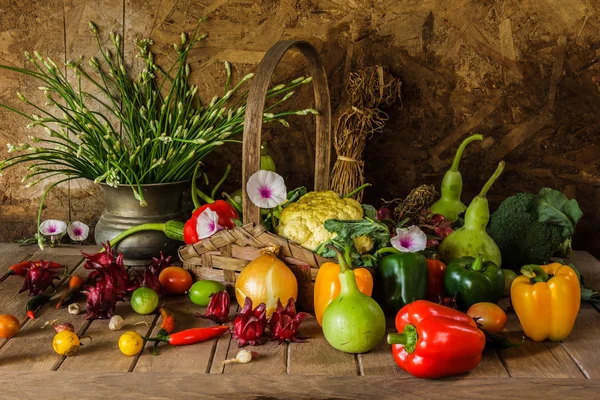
223	256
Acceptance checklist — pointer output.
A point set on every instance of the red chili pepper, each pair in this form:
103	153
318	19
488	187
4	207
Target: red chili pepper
36	302
435	280
436	341
20	269
167	326
75	284
191	336
224	210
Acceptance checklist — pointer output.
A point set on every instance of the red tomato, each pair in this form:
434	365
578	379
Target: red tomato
489	315
175	280
9	326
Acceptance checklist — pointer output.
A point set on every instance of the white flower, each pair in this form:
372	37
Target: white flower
53	227
409	240
266	189
78	231
207	224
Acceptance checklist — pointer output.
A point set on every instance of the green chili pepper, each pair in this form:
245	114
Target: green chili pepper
402	278
473	281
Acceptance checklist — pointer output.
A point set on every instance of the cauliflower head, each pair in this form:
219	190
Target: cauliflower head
303	220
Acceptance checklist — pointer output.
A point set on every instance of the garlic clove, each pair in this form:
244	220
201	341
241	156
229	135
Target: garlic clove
74	308
115	323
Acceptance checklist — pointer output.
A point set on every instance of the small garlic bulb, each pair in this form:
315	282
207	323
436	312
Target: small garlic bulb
243	357
74	308
115	323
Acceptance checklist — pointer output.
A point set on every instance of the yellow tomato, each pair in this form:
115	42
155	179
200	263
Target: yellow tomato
266	280
66	343
130	343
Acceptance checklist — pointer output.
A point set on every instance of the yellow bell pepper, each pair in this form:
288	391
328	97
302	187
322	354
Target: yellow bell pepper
546	299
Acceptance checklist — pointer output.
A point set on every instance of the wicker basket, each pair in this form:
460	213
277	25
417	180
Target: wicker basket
223	256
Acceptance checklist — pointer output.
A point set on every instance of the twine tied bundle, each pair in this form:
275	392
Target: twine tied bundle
359	118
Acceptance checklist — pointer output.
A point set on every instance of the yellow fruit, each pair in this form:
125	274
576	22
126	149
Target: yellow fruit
66	343
130	343
266	280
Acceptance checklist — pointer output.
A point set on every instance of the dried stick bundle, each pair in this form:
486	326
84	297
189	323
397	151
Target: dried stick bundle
359	118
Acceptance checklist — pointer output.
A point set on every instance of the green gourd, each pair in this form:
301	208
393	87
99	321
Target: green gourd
353	322
472	239
449	204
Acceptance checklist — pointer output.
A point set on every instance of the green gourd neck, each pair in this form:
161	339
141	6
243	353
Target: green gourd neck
460	151
348	284
478	212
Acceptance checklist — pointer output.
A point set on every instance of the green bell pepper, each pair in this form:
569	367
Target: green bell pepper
402	278
473	281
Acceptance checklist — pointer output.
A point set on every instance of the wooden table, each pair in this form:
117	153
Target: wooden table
569	369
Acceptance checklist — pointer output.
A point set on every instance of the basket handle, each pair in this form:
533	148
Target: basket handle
254	118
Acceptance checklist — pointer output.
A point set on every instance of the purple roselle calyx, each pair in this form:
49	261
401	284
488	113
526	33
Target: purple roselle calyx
284	322
249	325
384	213
218	307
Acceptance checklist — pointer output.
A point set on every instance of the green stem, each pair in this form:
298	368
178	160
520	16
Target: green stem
234	203
461	149
408	338
140	228
358	189
477	264
213	193
341	259
535	273
391	250
204	196
492	179
194	194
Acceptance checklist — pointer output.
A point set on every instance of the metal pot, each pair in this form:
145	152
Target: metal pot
123	211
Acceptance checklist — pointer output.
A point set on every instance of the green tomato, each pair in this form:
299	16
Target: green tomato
144	300
201	291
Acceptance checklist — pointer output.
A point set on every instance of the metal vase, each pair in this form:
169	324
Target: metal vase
123	211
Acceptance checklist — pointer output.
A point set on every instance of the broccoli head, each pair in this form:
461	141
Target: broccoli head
521	237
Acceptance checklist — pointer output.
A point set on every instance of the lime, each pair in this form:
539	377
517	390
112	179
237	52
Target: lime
144	300
200	291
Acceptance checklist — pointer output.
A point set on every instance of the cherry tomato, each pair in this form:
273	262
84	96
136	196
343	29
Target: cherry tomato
144	300
489	315
9	326
130	343
66	343
175	280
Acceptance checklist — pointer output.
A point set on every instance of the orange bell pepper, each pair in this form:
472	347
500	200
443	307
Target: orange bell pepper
546	299
327	286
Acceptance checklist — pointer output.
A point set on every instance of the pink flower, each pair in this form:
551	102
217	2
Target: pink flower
207	224
78	231
266	189
409	240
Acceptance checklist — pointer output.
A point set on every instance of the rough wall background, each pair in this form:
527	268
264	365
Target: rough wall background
525	73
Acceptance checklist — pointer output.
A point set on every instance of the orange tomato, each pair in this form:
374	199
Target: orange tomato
9	326
489	316
175	280
266	280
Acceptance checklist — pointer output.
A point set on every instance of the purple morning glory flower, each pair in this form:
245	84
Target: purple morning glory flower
409	240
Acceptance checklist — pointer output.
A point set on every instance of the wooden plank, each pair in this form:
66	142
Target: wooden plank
103	354
14	303
163	385
12	253
222	346
272	359
32	349
196	358
557	70
583	343
316	356
588	266
536	359
380	361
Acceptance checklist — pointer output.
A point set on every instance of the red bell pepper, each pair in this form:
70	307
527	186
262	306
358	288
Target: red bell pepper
435	279
436	341
227	214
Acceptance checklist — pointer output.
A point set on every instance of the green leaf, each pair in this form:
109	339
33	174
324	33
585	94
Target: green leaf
370	211
294	195
551	206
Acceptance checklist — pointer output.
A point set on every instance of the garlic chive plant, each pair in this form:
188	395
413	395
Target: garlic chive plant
165	128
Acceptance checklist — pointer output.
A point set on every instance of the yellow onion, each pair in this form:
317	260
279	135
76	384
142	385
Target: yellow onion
266	280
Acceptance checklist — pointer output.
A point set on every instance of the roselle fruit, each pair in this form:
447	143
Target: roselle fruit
149	278
39	277
249	325
218	307
284	322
